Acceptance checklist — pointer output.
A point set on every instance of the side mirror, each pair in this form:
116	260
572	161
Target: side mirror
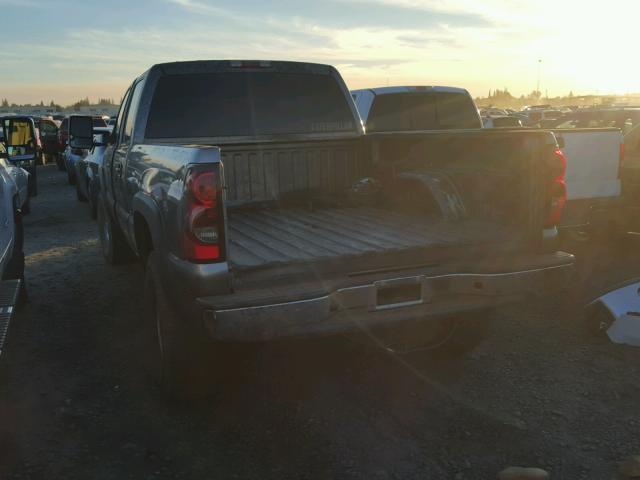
19	138
81	132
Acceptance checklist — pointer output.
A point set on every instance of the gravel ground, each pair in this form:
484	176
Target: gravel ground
76	402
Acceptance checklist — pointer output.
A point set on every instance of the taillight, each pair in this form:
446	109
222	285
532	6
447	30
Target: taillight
203	215
556	188
250	64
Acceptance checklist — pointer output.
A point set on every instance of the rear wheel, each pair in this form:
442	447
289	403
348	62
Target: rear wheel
59	162
26	208
114	246
33	183
79	195
181	358
92	200
71	179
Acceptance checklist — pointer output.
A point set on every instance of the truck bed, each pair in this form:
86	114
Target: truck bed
270	237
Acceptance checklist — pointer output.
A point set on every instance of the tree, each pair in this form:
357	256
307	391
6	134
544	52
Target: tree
5	102
84	102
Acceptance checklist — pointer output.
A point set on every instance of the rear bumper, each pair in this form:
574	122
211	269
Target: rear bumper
299	311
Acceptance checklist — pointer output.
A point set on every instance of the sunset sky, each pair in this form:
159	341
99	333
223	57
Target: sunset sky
65	50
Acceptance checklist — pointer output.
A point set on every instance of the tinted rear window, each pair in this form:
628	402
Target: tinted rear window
247	104
99	122
422	111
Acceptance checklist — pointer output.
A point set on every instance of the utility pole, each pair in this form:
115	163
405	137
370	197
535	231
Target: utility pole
539	68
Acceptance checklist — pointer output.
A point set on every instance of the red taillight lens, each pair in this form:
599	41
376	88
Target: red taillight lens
203	187
204	219
557	189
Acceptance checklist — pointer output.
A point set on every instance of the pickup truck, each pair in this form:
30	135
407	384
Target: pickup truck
594	155
405	108
262	211
18	135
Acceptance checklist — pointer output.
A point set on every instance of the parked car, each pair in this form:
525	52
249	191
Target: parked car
19	175
274	216
65	156
416	108
49	137
12	286
87	171
623	118
70	158
74	156
493	112
22	147
537	117
502	122
63	137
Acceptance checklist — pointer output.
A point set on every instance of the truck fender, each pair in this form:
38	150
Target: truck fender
147	207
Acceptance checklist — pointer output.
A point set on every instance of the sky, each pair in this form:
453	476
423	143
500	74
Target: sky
66	50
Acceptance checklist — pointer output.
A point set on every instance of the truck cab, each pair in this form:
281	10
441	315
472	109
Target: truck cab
406	108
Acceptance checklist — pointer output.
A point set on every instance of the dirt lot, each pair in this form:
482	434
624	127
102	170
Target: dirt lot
76	403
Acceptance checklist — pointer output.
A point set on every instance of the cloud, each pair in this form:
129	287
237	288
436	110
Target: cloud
20	3
204	8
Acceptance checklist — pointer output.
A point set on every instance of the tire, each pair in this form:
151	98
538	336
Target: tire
180	357
597	322
26	208
71	179
33	183
59	162
79	195
114	246
92	201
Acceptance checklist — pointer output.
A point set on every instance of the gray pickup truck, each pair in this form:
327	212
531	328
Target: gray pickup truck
261	210
17	145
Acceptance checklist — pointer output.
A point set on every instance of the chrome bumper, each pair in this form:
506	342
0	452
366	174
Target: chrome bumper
348	308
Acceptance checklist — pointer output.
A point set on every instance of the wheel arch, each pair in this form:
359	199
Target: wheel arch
147	226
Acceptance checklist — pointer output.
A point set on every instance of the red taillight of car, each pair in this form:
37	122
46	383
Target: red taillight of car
557	189
203	215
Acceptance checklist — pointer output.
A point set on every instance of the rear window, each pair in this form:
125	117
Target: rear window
247	104
422	111
99	122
